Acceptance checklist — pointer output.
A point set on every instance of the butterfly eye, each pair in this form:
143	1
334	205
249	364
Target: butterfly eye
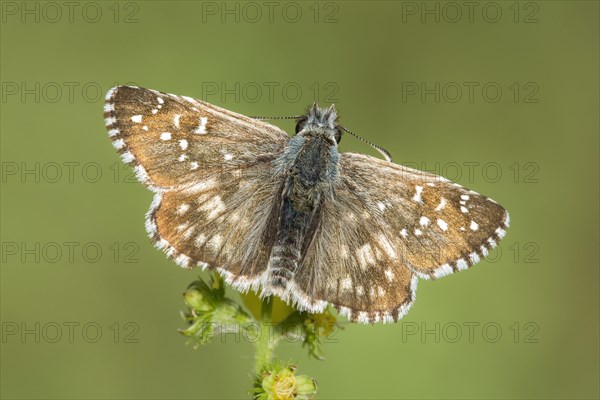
338	136
300	126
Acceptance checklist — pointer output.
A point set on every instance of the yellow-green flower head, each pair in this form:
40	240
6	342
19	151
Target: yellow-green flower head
197	300
281	383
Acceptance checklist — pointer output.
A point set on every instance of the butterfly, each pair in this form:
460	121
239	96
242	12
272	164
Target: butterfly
292	216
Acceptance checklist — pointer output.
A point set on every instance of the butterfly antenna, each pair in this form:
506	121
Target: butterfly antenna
284	117
381	150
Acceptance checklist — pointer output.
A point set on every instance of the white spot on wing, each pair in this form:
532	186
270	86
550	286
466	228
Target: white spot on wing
188	232
424	221
404	233
365	255
165	136
346	283
119	144
216	242
381	205
213	207
194	165
442	271
363	317
201	186
176	120
228	156
389	274
140	173
201	130
474	226
346	312
137	119
110	93
182	260
442	224
387	246
418	232
463	209
183	144
200	240
461	264
127	157
417	196
182	209
183	226
441	205
344	252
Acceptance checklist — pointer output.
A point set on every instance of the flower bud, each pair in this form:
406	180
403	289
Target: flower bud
281	383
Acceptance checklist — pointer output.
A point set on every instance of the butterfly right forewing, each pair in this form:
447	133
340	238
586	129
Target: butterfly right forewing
174	141
211	171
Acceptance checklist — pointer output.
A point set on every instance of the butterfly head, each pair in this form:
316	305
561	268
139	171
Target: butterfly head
320	121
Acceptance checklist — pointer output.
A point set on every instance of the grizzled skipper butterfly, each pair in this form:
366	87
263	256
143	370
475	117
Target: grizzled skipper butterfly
293	217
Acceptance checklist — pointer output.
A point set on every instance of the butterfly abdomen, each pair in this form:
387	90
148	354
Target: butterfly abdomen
295	218
309	174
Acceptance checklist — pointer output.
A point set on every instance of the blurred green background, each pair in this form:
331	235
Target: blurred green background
501	97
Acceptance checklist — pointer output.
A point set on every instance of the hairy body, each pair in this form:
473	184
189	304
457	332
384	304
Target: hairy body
310	166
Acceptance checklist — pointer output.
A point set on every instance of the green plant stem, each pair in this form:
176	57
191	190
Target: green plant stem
269	338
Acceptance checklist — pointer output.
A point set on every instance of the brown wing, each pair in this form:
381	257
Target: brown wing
388	224
223	223
211	171
174	141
